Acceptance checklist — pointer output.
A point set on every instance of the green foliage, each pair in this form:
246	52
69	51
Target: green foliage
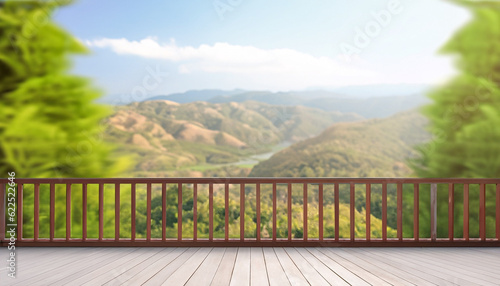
372	148
49	125
465	120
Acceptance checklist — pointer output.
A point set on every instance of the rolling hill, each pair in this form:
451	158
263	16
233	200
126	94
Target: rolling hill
164	135
370	148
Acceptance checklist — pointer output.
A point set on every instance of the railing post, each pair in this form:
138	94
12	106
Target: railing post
211	212
179	211
52	210
84	212
101	211
400	211
20	212
337	210
497	206
482	212
148	214
384	211
274	211
416	211
164	211
466	212
352	211
195	212
433	212
132	211
242	212
36	214
2	212
117	212
451	210
257	206
289	212
226	214
320	211
368	211
68	212
304	212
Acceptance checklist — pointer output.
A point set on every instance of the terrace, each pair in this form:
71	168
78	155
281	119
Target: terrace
259	231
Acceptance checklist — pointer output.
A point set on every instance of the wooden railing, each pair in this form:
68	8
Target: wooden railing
329	186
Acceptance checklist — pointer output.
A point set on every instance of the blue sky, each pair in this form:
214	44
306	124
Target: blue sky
273	45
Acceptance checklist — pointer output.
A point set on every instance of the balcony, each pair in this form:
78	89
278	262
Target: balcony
259	231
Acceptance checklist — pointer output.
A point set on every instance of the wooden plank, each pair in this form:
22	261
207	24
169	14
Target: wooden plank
451	211
354	268
258	271
328	274
277	276
174	257
293	273
442	260
51	274
433	212
449	267
163	256
120	266
241	271
182	274
340	269
449	276
414	275
371	268
308	271
225	269
206	272
157	277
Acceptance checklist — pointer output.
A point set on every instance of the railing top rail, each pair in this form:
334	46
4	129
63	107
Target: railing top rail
256	180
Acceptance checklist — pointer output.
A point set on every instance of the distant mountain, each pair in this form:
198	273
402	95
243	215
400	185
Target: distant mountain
165	135
370	148
372	107
196	95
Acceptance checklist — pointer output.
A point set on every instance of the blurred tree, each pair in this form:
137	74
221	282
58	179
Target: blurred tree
463	119
49	123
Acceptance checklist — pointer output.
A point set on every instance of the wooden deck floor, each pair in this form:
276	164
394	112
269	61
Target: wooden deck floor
254	266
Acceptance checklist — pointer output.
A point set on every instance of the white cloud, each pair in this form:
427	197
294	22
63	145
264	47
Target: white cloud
255	68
